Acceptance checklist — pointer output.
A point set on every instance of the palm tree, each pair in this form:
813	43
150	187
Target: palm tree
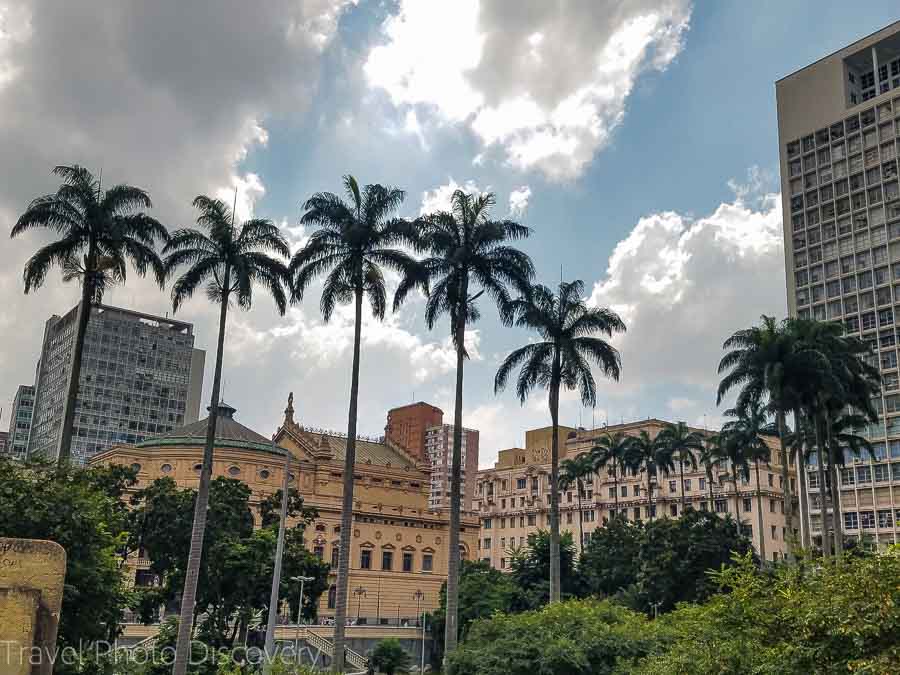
468	255
682	443
708	457
750	430
356	240
226	262
611	450
569	344
731	452
573	472
643	456
770	362
97	236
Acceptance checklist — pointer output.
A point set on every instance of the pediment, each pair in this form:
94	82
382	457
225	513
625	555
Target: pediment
294	441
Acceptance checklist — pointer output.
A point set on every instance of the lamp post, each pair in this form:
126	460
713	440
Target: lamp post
302	580
419	596
359	593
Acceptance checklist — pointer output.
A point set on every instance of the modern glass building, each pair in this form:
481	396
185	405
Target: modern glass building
20	421
838	126
140	377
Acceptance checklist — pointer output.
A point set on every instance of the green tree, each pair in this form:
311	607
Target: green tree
468	255
708	458
98	234
227	261
483	590
574	471
611	451
570	343
750	430
355	242
578	637
530	569
609	564
675	555
82	511
389	657
682	444
644	455
730	453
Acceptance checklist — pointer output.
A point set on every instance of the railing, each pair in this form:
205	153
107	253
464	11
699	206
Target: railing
326	646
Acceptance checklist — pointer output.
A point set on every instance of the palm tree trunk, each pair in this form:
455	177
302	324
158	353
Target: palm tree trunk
616	485
649	494
805	539
451	626
737	504
681	479
578	487
343	572
64	445
786	490
279	554
555	580
759	518
709	480
820	470
198	530
836	517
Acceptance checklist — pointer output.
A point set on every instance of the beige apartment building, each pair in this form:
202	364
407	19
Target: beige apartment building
838	125
398	557
513	498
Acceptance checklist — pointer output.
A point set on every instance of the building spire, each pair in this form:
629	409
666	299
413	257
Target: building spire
289	411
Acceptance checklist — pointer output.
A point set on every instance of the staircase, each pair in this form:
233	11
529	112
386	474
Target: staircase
326	646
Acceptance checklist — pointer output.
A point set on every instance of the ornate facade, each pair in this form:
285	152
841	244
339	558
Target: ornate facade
513	497
399	546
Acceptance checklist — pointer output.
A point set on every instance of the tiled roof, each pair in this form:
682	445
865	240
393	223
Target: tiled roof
366	451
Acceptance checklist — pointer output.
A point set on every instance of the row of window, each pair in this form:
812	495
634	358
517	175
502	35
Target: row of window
387	560
838	130
869	520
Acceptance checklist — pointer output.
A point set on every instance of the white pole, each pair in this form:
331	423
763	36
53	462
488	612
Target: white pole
299	616
279	552
423	642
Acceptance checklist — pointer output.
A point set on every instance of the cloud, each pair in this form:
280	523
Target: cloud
518	200
544	83
438	199
167	95
682	285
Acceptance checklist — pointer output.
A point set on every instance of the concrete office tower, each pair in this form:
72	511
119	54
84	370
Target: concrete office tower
439	446
140	377
406	426
20	422
838	123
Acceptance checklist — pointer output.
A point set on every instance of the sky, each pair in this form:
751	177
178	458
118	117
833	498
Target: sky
637	139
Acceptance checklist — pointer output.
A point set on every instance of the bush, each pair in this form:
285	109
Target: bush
389	657
578	637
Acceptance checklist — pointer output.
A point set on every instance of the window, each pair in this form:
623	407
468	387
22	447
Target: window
487	523
569	518
721	506
365	559
774	532
520	483
407	562
335	556
427	562
673	486
673	509
851	520
531	521
319	552
387	560
882	473
612	492
885	518
771	506
867	519
748	504
332	597
624	490
702	484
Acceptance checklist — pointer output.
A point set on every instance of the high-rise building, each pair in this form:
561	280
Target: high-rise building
838	124
4	443
140	377
439	448
406	426
20	421
513	497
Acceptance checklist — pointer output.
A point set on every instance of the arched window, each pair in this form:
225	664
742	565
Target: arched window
332	597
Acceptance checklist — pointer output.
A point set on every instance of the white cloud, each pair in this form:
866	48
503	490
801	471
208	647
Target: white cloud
438	199
683	285
518	200
543	82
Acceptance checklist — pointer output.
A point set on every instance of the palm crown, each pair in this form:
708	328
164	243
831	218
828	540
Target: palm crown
569	346
228	260
99	235
466	248
573	471
355	239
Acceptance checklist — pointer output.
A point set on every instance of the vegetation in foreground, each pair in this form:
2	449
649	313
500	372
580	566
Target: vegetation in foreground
839	616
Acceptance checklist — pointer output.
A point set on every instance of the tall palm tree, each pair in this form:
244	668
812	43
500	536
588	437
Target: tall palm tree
683	444
569	345
226	261
731	453
643	456
611	451
98	233
573	472
750	429
356	240
769	362
468	255
708	457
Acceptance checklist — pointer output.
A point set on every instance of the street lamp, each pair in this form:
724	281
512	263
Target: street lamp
359	593
419	596
301	579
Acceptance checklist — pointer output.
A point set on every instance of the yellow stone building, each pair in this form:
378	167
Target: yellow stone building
399	547
513	498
